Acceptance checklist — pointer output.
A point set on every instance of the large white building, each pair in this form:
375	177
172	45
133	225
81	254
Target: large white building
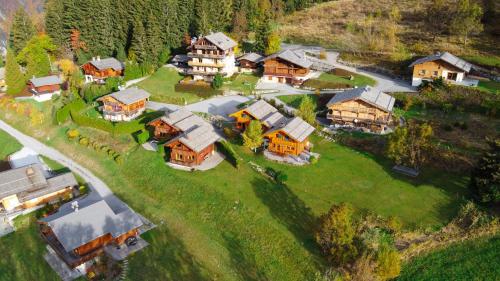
210	55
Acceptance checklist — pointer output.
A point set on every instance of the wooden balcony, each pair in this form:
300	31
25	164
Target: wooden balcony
339	117
210	56
206	73
206	64
205	47
287	75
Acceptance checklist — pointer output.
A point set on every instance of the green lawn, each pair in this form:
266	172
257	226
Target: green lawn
161	86
472	260
230	224
489	86
295	100
492	61
359	80
8	145
244	83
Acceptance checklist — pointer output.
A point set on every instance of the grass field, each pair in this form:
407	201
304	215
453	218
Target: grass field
328	80
230	224
161	86
8	145
244	83
472	260
489	86
295	100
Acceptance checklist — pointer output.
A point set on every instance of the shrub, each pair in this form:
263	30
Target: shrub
227	149
72	134
229	133
63	113
281	177
217	82
143	137
161	150
127	127
104	148
313	159
84	141
111	153
96	123
341	72
119	159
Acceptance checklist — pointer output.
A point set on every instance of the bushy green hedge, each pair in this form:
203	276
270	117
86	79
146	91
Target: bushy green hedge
63	113
227	149
96	123
201	90
319	84
127	127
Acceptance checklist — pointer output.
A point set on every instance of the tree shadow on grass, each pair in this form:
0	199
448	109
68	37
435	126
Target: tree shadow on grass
241	261
289	210
166	258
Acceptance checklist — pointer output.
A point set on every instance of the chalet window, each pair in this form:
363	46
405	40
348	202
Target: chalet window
435	73
422	72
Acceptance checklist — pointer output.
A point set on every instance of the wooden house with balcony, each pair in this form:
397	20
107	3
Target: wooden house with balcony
250	62
259	110
362	107
82	230
124	105
174	123
189	138
442	65
43	88
290	67
289	137
27	187
98	70
210	55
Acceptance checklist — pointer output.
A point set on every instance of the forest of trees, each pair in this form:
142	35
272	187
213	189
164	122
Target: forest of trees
144	30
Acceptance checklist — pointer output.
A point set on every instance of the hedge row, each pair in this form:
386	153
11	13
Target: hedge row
319	84
107	126
63	113
88	142
231	155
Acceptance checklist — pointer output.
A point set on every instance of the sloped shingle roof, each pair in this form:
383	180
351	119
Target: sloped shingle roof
253	57
221	40
130	95
446	57
260	109
198	138
107	63
295	128
376	98
45	81
91	222
183	119
294	57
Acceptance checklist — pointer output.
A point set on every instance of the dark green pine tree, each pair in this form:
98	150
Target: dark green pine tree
202	17
138	50
21	31
98	35
261	35
485	179
154	43
54	10
184	17
14	78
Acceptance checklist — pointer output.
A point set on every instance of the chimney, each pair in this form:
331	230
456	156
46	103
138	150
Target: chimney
98	58
93	58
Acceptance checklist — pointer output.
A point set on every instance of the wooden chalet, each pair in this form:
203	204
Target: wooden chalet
82	230
124	105
193	147
259	110
210	55
27	187
289	137
362	107
43	88
97	70
249	62
290	67
451	68
190	139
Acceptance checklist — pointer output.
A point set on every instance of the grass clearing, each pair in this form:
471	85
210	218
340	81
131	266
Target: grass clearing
8	145
161	85
332	81
295	100
471	260
230	224
244	83
489	86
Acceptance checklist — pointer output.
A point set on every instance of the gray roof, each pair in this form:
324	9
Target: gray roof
182	119
295	57
273	119
2	73
80	227
378	99
446	57
197	138
295	128
221	40
180	58
253	57
47	80
107	63
29	182
260	109
130	95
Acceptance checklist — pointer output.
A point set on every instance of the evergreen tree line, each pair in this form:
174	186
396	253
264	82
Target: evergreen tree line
144	31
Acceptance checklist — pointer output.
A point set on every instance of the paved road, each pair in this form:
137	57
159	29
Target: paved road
94	182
